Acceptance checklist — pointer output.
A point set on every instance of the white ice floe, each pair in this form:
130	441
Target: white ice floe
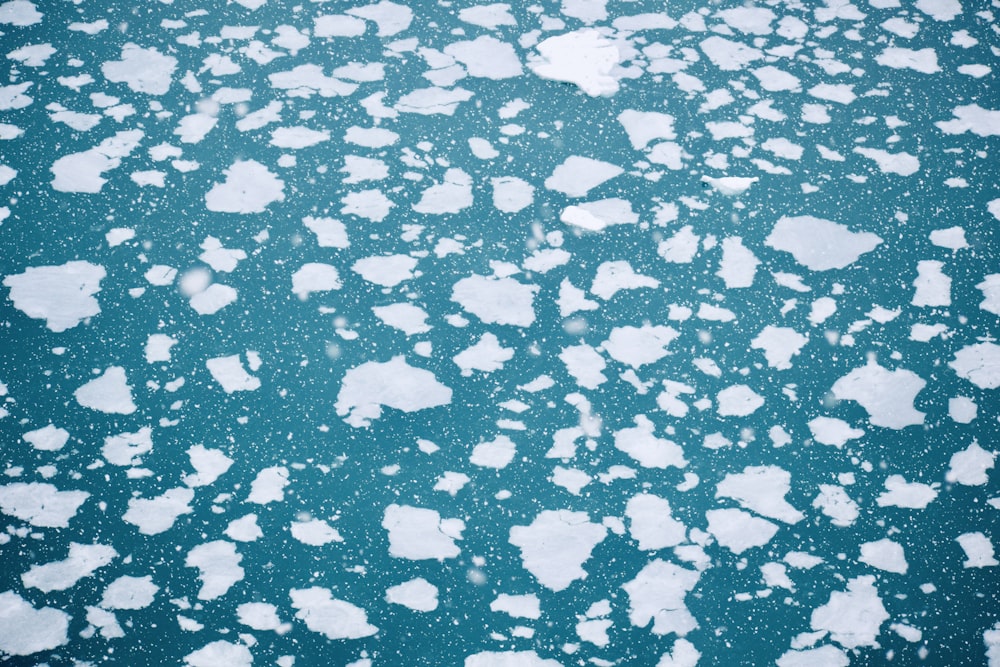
496	300
417	533
901	164
731	186
127	592
452	195
220	653
585	364
244	529
738	400
979	364
25	630
496	453
433	100
612	277
81	562
509	659
330	233
262	616
229	373
585	58
597	215
971	465
511	194
885	555
486	356
406	317
209	465
218	565
728	55
921	60
833	431
651	523
761	489
643	127
834	502
486	57
49	438
577	175
249	188
269	486
110	392
297	137
909	495
978	548
315	532
555	546
315	277
417	594
126	449
779	344
386	270
518	606
657	594
640	443
972	118
852	617
638	346
369	387
738	530
818	244
82	172
990	287
886	395
142	70
156	515
40	504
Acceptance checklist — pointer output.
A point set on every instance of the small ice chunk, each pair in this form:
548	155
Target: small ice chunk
612	277
638	346
315	532
249	188
834	502
142	70
315	277
487	355
221	653
933	287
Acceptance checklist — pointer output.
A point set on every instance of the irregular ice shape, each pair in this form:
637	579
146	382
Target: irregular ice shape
555	546
416	533
109	393
852	617
738	531
979	364
367	388
25	630
81	562
218	565
657	594
886	395
40	504
818	244
496	300
81	172
143	70
249	188
584	57
761	489
61	295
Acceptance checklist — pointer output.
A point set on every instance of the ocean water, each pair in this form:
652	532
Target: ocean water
691	346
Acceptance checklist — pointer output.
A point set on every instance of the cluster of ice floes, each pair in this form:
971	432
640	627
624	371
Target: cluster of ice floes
578	332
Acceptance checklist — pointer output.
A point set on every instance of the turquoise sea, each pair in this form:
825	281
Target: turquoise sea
691	349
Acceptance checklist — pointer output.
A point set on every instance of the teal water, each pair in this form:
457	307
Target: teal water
339	470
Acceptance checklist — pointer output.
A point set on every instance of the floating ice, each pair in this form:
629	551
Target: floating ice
818	244
367	388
